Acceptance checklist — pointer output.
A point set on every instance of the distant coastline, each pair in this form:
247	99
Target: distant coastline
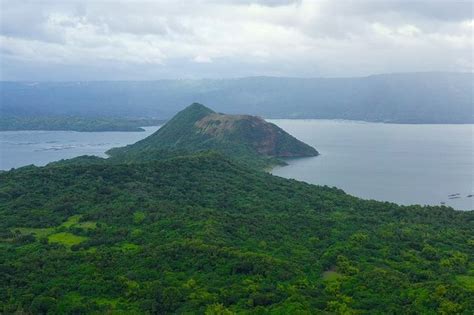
370	121
108	124
73	123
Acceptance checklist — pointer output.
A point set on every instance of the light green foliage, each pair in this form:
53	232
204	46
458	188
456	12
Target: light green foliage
218	309
345	266
107	303
331	276
138	217
43	233
466	281
72	220
456	261
38	232
66	239
129	247
86	225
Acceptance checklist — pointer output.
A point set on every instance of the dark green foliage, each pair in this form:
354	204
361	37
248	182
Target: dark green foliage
75	123
203	234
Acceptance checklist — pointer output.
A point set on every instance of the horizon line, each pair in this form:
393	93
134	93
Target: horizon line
245	77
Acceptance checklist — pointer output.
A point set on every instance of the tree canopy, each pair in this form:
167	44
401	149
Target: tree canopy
202	233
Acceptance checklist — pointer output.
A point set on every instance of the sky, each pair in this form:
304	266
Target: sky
48	40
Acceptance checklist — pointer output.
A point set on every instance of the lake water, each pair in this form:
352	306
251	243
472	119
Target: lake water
20	148
406	164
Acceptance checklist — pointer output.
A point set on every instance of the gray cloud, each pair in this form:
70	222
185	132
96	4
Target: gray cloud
102	39
455	10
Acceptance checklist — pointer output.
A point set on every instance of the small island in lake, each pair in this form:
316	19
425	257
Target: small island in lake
249	139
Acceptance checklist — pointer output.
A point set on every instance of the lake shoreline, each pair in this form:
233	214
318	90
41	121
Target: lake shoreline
397	163
378	161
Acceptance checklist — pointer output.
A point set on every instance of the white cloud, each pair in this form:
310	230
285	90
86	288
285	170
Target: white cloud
202	59
409	30
234	38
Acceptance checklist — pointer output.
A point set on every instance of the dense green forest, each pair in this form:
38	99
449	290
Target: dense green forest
204	234
75	123
186	221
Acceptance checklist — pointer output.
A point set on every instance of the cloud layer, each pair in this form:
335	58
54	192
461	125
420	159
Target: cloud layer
101	39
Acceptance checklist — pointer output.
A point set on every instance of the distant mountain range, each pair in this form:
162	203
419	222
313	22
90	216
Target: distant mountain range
400	98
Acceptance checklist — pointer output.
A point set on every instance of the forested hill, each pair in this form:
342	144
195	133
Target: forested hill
402	98
248	139
201	234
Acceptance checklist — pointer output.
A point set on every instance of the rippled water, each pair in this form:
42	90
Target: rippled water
20	148
407	164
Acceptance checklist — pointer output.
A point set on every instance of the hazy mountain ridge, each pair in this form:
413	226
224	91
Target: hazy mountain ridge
401	98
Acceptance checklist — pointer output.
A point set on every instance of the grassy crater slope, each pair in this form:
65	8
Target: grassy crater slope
203	234
249	139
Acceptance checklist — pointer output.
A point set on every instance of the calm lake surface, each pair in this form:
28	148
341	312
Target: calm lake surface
20	148
406	164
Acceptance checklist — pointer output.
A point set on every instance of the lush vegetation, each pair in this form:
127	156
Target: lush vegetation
187	222
204	234
75	123
238	137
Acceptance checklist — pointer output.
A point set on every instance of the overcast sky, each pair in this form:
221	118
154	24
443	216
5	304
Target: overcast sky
143	40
